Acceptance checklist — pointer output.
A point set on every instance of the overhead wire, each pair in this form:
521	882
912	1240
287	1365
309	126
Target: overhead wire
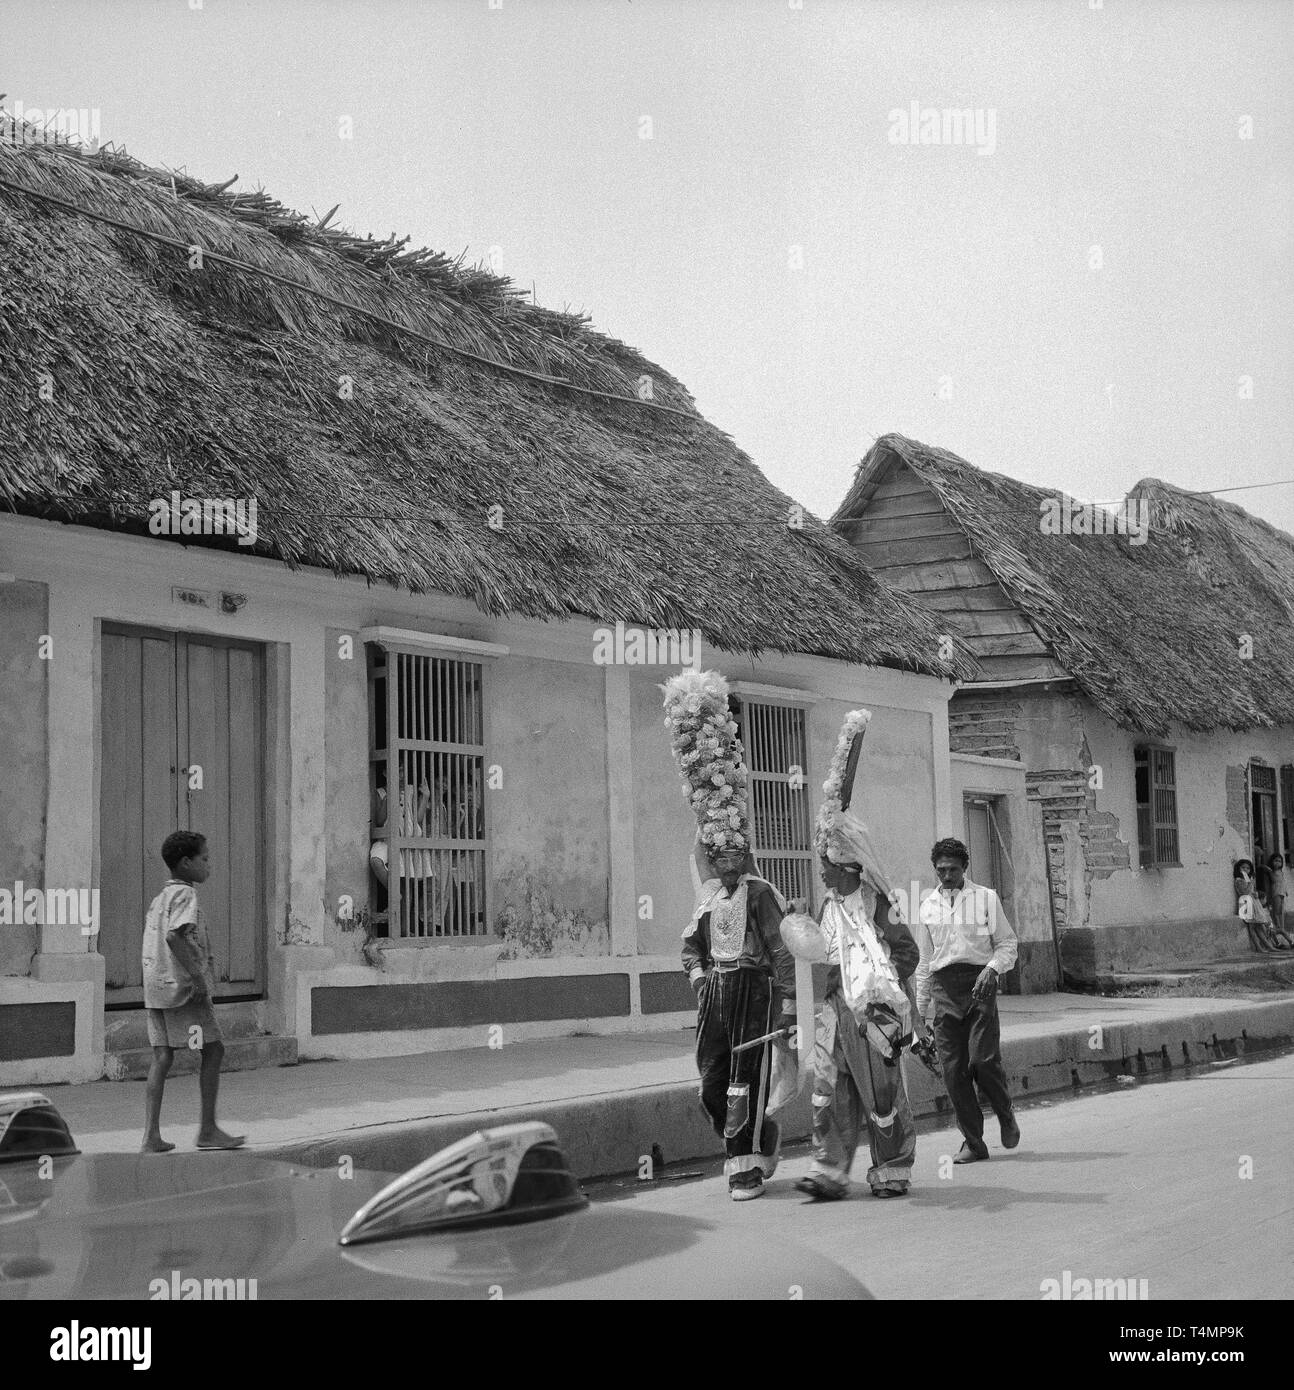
234	263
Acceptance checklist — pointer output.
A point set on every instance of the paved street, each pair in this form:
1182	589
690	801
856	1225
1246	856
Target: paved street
1142	1183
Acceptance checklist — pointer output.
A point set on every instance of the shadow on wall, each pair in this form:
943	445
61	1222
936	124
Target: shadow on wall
534	925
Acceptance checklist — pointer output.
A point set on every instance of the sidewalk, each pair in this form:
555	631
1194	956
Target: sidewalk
612	1098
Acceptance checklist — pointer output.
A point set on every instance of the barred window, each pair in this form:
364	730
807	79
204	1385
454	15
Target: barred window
429	835
775	740
1156	775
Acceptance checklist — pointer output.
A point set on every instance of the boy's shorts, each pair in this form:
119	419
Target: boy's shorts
171	1027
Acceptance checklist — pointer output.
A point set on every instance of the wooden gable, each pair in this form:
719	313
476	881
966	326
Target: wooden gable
905	535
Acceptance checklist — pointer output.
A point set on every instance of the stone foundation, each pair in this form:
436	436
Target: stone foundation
1089	953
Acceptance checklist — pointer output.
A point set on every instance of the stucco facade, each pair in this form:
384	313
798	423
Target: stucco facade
590	833
1079	768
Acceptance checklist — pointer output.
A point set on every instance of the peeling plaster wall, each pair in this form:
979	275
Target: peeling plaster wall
1091	833
24	779
550	860
1211	833
663	824
1238	800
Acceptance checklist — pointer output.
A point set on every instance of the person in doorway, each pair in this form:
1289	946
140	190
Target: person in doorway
967	945
179	981
1276	894
1253	910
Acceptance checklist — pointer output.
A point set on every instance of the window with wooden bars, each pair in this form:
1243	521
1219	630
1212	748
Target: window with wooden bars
775	739
429	833
1156	775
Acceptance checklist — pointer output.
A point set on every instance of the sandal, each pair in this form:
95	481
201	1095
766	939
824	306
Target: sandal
820	1189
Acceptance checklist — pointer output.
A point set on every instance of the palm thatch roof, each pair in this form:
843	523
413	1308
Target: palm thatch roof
1152	633
226	381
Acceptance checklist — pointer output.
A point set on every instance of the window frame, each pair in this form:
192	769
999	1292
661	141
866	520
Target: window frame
744	700
393	644
1149	825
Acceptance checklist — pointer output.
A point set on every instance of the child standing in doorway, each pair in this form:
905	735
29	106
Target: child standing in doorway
1276	893
179	979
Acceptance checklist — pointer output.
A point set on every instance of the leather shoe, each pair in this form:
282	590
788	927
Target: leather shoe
1010	1132
969	1153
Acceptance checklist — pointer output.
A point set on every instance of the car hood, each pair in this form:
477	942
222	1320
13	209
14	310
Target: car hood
230	1225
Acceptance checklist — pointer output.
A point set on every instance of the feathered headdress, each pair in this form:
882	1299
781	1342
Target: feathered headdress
704	738
839	786
841	834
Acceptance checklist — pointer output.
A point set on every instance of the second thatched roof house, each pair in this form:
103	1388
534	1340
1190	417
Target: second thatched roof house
358	562
1135	708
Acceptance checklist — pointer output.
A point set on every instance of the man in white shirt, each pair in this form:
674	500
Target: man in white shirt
966	945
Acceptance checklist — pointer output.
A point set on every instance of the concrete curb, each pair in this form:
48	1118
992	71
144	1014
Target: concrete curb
613	1133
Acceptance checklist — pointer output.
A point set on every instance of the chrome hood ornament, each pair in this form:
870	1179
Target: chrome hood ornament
31	1127
495	1177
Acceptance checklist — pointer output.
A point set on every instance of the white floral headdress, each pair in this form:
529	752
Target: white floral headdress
704	739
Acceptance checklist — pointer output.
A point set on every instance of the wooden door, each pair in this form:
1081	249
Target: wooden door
183	736
1287	811
1262	789
984	841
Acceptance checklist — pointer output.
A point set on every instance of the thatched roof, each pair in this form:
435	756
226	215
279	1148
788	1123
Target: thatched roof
222	382
1151	632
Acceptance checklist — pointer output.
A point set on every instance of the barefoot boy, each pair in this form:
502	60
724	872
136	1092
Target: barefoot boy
178	980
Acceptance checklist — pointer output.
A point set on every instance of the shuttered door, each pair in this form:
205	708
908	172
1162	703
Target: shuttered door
183	749
1163	770
1262	787
777	758
1287	809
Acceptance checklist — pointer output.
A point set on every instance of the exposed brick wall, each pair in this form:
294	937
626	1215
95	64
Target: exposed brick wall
1238	801
1105	851
984	725
1062	794
1065	797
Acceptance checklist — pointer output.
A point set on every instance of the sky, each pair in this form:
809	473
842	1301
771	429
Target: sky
1087	285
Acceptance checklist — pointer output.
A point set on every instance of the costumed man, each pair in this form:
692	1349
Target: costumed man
733	953
868	1014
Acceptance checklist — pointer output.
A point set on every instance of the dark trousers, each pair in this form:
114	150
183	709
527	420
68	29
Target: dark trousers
969	1039
735	1008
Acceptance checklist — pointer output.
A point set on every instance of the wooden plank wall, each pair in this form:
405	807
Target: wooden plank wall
907	537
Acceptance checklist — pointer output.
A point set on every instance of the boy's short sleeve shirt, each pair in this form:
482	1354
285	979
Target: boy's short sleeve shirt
167	984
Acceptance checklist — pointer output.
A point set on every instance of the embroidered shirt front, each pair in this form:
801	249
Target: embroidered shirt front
728	925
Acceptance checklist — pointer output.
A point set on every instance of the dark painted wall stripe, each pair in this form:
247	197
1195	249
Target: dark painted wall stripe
463	1003
37	1030
667	992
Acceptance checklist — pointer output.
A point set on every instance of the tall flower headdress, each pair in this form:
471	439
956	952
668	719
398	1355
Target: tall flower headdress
709	754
